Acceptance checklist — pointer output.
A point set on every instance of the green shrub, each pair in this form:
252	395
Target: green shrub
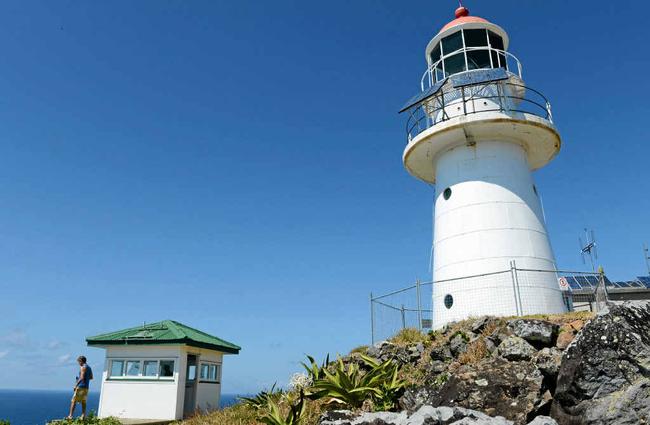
409	336
274	416
90	419
262	398
314	371
4	422
349	386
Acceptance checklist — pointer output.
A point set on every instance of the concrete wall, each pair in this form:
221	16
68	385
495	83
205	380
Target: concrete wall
141	398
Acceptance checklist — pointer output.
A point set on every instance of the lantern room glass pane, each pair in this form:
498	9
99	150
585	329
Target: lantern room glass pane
166	368
476	38
451	43
478	59
435	54
502	61
455	64
496	42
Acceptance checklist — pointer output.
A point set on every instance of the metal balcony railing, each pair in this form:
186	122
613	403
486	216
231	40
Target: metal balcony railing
507	97
498	59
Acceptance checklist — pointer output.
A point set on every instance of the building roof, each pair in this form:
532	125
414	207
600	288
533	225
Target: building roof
165	332
462	17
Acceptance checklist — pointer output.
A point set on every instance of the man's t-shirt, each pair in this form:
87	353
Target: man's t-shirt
87	374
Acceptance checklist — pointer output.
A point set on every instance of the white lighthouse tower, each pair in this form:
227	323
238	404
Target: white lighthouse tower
477	132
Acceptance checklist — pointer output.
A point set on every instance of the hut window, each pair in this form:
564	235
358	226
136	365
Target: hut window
150	368
141	369
117	368
166	368
209	372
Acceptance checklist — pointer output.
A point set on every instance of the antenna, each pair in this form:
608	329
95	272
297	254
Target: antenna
588	248
647	257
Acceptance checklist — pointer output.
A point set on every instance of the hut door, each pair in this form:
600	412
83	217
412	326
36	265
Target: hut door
189	405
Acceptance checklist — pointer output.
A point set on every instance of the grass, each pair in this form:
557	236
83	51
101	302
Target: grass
91	419
242	414
362	349
409	336
476	351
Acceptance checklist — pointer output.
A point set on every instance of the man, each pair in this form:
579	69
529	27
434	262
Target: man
81	387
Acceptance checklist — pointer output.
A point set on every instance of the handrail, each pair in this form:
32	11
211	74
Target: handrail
431	75
503	96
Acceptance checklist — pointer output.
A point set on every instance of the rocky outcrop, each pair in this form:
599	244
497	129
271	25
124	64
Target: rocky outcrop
539	333
426	415
604	377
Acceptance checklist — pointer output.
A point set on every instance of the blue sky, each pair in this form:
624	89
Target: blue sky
236	166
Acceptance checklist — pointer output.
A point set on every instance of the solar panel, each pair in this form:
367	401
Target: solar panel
622	284
478	76
582	280
420	97
645	280
635	284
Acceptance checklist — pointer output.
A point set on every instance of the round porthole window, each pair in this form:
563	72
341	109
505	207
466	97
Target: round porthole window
447	193
449	301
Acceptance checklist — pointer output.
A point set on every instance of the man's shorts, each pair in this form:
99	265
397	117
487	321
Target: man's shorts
80	395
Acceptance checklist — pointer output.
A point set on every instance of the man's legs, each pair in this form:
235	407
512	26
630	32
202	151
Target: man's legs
72	406
83	409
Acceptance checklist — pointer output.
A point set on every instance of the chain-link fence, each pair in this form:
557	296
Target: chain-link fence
515	292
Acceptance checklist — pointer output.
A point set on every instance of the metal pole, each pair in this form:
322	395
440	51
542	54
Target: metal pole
521	306
372	321
403	317
647	257
514	288
417	291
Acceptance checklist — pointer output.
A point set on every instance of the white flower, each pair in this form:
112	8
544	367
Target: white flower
299	381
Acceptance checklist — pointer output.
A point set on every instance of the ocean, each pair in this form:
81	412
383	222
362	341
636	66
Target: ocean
37	407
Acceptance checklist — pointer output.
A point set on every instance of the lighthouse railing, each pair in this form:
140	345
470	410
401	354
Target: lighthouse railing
510	98
498	59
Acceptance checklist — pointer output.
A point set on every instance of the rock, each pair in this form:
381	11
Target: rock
543	420
458	344
564	339
513	390
515	348
539	333
415	352
577	325
437	366
490	345
441	353
548	362
605	373
480	324
416	397
426	415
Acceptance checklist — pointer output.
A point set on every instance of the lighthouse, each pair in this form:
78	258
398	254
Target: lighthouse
477	132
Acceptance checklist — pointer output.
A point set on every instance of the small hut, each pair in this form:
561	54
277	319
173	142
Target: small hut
160	371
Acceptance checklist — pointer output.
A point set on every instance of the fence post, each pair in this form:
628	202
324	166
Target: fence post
403	317
521	306
372	321
417	292
514	286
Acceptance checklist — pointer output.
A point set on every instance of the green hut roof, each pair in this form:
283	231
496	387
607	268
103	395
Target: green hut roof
165	332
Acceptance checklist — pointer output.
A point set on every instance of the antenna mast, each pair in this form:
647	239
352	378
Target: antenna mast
589	248
647	257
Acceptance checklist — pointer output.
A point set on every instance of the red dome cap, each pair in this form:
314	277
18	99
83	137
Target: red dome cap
462	17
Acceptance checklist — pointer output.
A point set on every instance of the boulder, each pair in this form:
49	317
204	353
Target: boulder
458	344
605	372
539	333
426	415
515	348
564	339
543	420
494	386
548	361
441	353
481	323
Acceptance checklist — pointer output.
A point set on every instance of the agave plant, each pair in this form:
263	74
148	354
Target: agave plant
274	416
262	398
314	371
348	385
